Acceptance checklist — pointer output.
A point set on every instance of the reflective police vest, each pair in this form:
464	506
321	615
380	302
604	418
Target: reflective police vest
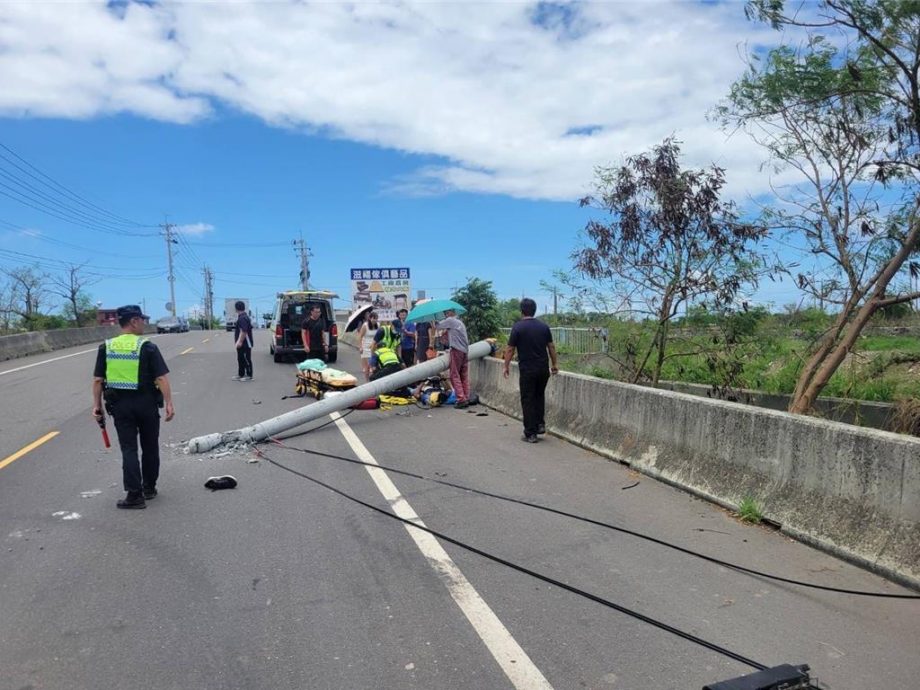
122	362
386	356
388	337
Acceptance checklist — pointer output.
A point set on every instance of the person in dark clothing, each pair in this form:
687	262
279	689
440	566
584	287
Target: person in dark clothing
533	342
132	376
423	341
313	332
242	334
407	341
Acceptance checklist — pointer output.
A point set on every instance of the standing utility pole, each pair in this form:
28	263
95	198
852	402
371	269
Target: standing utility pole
304	250
170	241
208	297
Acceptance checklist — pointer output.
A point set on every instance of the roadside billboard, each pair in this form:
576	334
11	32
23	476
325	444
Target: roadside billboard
388	289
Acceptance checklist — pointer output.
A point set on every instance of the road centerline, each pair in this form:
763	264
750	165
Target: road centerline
506	651
27	449
186	351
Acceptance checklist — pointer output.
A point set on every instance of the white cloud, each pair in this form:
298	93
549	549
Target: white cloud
194	228
522	99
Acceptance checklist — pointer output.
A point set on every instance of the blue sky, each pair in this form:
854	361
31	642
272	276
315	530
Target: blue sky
257	184
451	138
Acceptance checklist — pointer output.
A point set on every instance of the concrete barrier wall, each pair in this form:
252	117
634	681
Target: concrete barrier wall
861	412
36	342
849	490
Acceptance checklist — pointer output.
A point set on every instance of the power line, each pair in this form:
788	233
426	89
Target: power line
36	235
50	202
193	255
39	258
65	190
239	245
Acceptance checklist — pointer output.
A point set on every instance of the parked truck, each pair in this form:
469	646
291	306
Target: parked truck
230	310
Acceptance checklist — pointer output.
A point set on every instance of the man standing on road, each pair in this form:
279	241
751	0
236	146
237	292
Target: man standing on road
131	372
407	344
243	337
459	349
313	333
533	340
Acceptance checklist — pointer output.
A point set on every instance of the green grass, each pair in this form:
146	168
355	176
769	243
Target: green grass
771	363
749	511
888	343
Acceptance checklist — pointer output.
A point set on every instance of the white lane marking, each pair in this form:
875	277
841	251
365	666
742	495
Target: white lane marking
56	359
66	515
519	668
46	361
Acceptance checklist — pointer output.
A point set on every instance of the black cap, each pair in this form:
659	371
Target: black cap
129	311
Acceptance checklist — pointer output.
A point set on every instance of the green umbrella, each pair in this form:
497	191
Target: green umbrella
433	310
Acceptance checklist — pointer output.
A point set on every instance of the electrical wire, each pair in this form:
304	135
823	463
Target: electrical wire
590	521
52	213
52	240
40	197
238	245
527	571
45	179
61	262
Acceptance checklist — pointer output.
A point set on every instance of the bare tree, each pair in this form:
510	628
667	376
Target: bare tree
29	291
843	111
7	302
70	286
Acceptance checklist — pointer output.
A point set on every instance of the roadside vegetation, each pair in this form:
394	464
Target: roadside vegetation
883	366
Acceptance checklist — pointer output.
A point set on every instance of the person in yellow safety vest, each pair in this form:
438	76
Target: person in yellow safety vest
132	376
387	363
388	337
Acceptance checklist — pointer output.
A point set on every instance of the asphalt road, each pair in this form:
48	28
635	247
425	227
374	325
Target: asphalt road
282	583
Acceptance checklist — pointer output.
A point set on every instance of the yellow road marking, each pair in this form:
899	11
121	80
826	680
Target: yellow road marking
206	340
32	446
186	351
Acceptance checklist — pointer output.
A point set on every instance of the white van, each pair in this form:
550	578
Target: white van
291	308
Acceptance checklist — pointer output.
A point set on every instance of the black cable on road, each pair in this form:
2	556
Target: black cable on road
712	646
590	521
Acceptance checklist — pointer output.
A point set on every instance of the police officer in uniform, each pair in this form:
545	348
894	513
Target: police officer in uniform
132	376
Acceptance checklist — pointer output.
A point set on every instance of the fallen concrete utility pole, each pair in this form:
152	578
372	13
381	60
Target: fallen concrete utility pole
309	413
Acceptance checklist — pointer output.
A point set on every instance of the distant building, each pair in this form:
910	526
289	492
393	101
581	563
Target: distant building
109	317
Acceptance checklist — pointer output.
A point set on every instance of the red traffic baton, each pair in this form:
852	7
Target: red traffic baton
105	434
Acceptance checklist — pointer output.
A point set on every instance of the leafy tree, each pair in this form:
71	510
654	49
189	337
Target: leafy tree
509	311
668	242
48	322
481	318
843	111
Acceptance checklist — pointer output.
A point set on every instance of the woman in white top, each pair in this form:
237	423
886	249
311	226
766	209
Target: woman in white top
366	335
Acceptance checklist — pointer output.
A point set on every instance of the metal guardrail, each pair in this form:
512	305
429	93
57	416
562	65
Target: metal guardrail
579	341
